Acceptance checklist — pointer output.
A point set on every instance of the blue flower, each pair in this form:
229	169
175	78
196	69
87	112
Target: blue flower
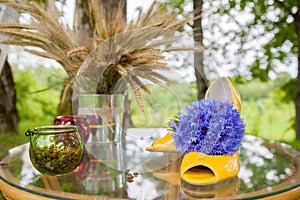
210	126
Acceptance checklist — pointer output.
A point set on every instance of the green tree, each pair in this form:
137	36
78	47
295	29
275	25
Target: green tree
254	38
34	104
266	32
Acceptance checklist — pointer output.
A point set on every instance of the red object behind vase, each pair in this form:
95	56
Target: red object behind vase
80	122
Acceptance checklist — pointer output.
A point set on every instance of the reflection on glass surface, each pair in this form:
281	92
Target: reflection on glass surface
263	165
135	155
20	165
225	188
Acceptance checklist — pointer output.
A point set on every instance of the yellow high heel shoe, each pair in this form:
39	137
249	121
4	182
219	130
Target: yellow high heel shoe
200	168
164	144
221	89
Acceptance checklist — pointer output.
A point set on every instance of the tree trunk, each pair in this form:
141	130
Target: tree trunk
198	59
8	110
110	5
65	104
297	92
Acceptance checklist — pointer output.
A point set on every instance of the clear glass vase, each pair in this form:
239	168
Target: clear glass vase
104	114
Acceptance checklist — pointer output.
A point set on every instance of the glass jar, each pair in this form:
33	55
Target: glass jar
55	150
81	123
84	131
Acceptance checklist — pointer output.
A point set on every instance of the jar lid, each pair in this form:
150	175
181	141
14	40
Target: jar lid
46	130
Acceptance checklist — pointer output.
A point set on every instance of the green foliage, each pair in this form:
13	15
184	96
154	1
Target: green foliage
255	37
265	116
268	107
249	91
7	142
294	143
175	5
38	94
268	120
284	89
34	108
281	89
163	104
275	21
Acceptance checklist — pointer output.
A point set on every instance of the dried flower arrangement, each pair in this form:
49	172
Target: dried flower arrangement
117	50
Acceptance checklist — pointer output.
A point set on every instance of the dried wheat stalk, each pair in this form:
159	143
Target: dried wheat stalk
118	50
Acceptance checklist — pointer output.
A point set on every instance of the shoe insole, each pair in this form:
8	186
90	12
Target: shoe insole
220	90
199	175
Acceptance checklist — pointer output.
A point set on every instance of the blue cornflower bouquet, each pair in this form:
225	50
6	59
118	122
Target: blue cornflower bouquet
210	126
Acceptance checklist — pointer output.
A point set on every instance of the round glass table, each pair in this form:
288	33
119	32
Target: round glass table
269	170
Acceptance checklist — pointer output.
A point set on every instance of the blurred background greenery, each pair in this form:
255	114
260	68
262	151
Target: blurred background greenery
266	111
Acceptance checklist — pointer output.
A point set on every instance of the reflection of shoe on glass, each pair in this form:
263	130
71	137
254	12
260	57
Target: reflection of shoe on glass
225	189
170	172
221	89
210	134
164	144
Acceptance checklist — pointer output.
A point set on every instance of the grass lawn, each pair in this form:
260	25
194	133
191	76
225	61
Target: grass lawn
265	119
8	141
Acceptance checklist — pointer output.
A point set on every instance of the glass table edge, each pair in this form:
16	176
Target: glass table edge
251	195
31	191
293	153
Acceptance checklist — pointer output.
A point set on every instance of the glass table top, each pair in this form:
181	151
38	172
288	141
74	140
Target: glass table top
267	169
